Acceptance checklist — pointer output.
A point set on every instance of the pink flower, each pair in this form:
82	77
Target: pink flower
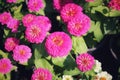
5	65
79	25
35	5
11	1
41	74
89	0
69	11
58	44
35	33
115	4
28	19
5	18
11	43
22	53
85	62
13	24
58	4
44	22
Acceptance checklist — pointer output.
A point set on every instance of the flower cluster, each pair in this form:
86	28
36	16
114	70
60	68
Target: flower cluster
115	4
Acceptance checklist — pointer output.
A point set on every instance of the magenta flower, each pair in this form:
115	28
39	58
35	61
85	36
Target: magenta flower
11	1
5	65
22	53
89	0
85	62
11	43
5	18
69	11
35	5
115	4
44	22
79	25
28	19
35	33
58	44
58	4
13	24
41	74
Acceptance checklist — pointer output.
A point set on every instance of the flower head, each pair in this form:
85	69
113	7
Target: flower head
5	65
35	33
22	53
79	25
115	4
85	62
11	1
98	67
103	76
41	74
67	77
13	24
11	43
58	4
28	19
69	11
5	18
58	44
35	5
44	22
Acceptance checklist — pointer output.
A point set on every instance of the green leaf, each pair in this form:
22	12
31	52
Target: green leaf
3	54
97	32
43	63
96	3
59	61
114	13
79	45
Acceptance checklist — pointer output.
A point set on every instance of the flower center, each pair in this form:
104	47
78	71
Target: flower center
35	31
71	13
78	26
22	52
103	78
58	41
85	62
4	65
35	4
40	77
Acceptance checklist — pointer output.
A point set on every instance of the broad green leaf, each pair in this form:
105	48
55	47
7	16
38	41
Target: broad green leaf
95	3
19	1
97	32
79	45
3	54
59	61
43	63
72	72
114	13
6	32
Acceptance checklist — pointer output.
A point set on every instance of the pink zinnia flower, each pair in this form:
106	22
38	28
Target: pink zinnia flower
41	74
5	18
89	0
35	33
58	4
44	22
28	19
69	11
22	53
35	5
79	25
85	62
11	43
115	4
11	1
13	24
58	44
5	65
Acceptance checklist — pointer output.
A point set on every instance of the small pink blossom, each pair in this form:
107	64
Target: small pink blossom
85	62
69	11
58	44
5	18
115	4
41	74
28	19
13	24
5	65
22	53
11	1
58	4
79	25
11	43
35	5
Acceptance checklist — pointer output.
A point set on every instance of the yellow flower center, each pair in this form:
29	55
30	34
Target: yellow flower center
58	41
103	78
